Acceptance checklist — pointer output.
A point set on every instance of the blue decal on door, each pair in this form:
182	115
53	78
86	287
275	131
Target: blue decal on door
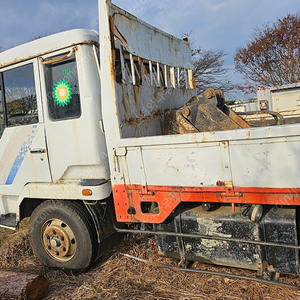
20	157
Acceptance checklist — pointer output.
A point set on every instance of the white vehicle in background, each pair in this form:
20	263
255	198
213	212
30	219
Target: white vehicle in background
283	99
280	98
102	131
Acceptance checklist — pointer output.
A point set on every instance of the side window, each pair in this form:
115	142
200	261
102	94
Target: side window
62	90
20	96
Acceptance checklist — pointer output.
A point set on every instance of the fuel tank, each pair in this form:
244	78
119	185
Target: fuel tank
277	225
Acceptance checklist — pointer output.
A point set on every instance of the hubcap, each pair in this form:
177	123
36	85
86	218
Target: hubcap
59	240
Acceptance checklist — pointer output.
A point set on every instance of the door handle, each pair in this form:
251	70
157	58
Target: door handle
33	151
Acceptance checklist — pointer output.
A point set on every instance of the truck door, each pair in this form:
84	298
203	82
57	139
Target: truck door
23	152
76	146
62	116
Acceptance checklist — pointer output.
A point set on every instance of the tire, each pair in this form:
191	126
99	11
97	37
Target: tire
62	236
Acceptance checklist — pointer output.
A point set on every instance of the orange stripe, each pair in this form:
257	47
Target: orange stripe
168	198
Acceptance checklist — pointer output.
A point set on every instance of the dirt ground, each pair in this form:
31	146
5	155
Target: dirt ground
118	277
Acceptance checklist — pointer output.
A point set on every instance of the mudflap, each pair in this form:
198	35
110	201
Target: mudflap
103	216
278	225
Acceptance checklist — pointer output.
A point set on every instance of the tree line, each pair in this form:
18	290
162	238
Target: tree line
271	57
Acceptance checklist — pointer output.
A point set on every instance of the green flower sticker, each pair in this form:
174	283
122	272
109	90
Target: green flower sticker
62	93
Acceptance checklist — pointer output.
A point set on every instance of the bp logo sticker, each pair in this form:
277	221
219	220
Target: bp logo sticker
62	93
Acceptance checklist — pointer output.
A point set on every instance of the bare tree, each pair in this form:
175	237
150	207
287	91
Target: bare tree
272	56
210	70
21	100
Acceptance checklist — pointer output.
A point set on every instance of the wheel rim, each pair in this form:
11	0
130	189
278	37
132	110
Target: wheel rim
58	240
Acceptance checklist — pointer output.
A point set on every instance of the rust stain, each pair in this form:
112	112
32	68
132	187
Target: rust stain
116	33
209	93
125	100
140	63
271	268
39	54
263	121
229	184
58	59
142	118
186	112
136	93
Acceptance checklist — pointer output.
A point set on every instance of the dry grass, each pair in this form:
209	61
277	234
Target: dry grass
15	251
118	277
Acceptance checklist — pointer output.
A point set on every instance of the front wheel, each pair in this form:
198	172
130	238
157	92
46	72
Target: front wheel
62	236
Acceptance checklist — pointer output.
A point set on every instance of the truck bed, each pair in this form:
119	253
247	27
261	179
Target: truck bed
152	172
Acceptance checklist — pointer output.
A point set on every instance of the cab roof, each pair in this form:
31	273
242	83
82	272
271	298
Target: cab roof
47	45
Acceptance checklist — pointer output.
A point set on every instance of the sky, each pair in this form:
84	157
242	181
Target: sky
214	24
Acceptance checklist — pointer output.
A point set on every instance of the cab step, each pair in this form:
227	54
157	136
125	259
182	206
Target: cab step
9	221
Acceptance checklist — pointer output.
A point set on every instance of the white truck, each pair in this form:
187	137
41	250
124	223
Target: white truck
283	99
100	131
279	98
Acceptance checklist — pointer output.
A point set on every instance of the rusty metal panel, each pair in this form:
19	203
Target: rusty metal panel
144	40
141	108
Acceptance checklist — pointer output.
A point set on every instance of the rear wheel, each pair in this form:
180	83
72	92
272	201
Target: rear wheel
62	236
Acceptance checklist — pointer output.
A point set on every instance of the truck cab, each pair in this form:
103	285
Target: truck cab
52	140
51	136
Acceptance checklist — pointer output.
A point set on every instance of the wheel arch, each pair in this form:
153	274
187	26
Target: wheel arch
27	206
